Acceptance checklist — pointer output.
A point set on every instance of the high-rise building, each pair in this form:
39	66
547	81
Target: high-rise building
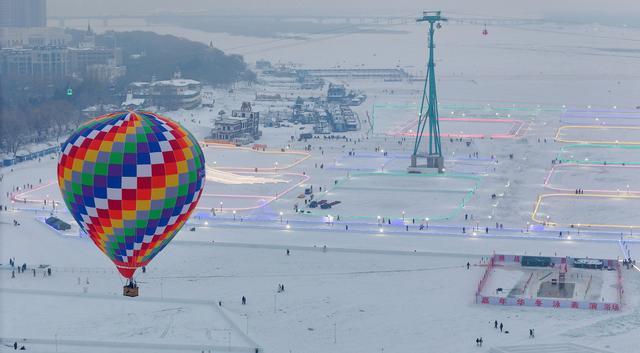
49	63
55	62
23	13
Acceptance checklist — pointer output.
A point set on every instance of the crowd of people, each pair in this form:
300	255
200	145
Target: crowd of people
20	269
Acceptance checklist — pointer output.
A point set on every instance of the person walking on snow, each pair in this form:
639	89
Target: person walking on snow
501	327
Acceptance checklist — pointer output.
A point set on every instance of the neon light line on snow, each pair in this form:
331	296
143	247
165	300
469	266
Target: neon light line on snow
596	127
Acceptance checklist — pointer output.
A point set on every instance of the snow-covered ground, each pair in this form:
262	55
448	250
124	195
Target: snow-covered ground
612	178
626	135
586	210
376	287
600	154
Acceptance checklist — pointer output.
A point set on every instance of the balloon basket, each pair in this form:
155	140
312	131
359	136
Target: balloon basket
130	291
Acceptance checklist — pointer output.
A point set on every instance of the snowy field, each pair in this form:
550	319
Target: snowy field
397	290
366	162
435	197
457	120
377	162
247	190
103	317
239	190
221	157
601	117
467	128
625	135
600	154
614	179
589	210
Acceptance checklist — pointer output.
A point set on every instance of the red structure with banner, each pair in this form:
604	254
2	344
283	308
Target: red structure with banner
564	265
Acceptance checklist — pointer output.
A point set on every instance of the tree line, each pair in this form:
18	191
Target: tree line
148	54
52	119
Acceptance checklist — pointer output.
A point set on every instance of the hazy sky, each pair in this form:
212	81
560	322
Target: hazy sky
627	9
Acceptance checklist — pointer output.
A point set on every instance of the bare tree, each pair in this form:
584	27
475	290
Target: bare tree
14	129
63	116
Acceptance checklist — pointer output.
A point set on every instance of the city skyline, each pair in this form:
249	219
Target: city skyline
23	13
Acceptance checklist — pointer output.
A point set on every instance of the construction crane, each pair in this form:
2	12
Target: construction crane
429	105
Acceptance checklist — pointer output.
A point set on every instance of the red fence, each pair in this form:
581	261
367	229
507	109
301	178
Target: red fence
485	276
524	288
546	302
619	283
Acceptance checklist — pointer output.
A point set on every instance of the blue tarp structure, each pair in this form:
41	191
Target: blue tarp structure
57	223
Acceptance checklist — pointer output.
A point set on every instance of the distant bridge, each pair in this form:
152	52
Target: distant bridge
341	19
354	73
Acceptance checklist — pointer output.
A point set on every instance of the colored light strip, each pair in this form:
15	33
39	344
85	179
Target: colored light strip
596	146
596	127
239	196
305	155
21	197
605	191
449	106
534	214
303	178
402	131
603	110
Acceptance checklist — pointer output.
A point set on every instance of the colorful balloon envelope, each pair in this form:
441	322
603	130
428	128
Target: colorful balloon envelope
131	180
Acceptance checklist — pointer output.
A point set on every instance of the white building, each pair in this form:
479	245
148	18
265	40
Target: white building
240	128
170	94
44	53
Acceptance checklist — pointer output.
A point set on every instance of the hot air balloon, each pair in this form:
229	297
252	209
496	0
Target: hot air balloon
131	180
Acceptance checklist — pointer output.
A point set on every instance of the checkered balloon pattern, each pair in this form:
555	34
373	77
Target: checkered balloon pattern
131	180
